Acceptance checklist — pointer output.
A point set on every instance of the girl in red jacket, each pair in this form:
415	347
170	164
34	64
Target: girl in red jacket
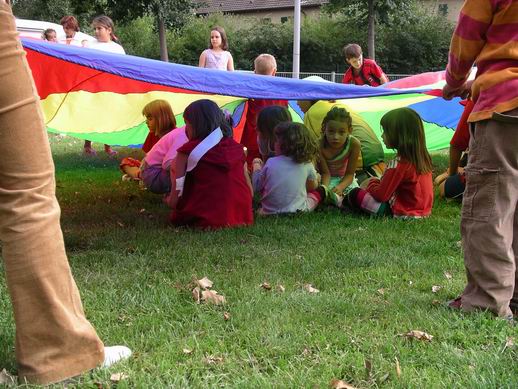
406	189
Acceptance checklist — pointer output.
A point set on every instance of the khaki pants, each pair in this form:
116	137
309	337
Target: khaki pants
54	341
489	223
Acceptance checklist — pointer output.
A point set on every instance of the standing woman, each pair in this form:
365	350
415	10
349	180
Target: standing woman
217	55
105	40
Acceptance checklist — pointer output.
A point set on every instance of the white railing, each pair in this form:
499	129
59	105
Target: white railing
333	76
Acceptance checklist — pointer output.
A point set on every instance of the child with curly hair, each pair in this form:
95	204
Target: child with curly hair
287	182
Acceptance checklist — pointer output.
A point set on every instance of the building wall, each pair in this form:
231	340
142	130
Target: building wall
281	15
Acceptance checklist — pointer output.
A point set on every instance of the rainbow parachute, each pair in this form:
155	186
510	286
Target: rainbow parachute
95	95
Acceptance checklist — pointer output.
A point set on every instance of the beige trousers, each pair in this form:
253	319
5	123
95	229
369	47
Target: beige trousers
489	223
54	341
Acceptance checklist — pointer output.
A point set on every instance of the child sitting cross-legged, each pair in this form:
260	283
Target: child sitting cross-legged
209	178
287	182
339	152
267	120
405	190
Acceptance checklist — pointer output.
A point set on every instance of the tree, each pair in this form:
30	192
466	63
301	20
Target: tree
166	13
371	11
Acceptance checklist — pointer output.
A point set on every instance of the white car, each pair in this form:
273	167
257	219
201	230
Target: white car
34	29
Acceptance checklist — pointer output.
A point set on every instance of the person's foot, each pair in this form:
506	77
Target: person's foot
114	354
89	151
110	151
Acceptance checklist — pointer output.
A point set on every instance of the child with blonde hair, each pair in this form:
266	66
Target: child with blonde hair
287	182
406	189
210	185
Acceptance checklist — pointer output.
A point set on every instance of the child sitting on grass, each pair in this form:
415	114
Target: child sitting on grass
287	182
339	152
154	168
267	120
209	179
405	190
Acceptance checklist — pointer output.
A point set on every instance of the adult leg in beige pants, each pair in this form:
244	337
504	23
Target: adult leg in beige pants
489	223
54	341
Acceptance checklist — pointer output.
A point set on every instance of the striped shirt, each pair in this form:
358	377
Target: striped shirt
487	32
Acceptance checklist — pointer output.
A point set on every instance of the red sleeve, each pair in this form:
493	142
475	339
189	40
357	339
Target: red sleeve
376	70
383	189
347	77
460	138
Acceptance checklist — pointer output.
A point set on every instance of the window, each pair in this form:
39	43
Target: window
284	19
443	9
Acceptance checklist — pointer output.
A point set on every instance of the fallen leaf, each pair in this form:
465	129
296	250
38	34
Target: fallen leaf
459	244
6	378
121	224
116	377
448	275
419	335
368	368
381	291
212	297
212	360
266	286
196	295
226	316
142	210
436	288
509	343
187	351
281	288
436	302
339	384
204	283
410	282
398	369
309	288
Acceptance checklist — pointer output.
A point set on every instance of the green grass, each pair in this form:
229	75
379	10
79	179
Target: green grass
134	272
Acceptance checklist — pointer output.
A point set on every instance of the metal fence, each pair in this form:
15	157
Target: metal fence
333	76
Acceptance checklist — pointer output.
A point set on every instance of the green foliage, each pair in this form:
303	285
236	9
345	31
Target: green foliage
50	11
139	37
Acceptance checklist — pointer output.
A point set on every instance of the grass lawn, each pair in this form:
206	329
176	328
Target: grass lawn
375	278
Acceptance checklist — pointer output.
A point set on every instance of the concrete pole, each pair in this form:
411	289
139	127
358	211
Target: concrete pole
296	39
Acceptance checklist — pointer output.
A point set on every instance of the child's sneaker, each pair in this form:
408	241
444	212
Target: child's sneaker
115	354
330	197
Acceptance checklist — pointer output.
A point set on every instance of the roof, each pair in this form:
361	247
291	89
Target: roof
211	6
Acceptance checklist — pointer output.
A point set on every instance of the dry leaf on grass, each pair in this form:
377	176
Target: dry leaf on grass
196	295
398	368
116	377
212	297
281	288
381	291
436	302
212	360
509	343
187	351
266	286
419	335
120	224
6	378
436	288
226	316
309	288
448	275
368	368
204	283
339	384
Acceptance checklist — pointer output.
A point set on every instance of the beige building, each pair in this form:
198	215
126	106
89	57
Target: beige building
278	11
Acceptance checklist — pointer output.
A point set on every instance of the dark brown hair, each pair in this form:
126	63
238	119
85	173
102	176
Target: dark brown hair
352	50
268	118
296	141
224	41
404	132
106	22
205	116
337	114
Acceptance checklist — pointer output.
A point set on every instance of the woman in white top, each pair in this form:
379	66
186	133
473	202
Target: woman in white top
71	28
105	37
217	55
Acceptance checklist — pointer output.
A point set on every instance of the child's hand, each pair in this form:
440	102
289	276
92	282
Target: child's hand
339	189
257	164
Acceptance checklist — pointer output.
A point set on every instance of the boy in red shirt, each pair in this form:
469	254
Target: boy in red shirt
362	71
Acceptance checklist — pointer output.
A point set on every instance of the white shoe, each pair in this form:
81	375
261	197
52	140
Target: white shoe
115	354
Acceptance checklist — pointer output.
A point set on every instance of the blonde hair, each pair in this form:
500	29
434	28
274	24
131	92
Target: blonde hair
265	64
162	112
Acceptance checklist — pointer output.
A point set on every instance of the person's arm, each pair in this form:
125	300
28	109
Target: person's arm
378	72
258	176
348	76
348	177
466	44
384	79
383	189
325	176
312	180
247	178
203	60
178	167
455	156
230	63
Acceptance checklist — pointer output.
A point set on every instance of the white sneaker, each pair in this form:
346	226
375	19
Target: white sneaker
115	354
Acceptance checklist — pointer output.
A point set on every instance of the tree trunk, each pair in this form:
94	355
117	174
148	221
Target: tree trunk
161	37
371	30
